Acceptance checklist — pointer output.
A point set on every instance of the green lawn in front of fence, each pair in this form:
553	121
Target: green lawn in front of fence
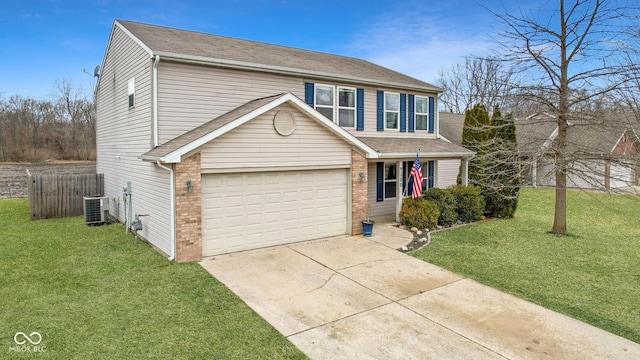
592	275
92	293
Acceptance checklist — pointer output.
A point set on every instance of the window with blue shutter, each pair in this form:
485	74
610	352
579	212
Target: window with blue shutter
431	170
412	113
360	109
380	181
403	112
432	118
308	93
380	113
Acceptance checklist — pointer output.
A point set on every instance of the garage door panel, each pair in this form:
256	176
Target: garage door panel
252	210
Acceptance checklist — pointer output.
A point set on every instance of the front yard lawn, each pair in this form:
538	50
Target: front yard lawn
592	275
93	294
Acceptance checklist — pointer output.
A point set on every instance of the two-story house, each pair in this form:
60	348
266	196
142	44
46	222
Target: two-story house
229	145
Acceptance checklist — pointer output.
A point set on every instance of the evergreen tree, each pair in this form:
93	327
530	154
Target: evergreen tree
502	167
476	134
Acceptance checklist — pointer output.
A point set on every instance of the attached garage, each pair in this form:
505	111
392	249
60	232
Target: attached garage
245	211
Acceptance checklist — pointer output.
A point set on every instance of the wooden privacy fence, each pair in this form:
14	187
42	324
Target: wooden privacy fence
56	196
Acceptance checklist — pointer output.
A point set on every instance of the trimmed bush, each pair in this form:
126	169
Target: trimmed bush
446	201
470	203
419	213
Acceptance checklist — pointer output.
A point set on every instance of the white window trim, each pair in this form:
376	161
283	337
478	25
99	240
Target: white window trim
385	181
315	96
425	175
131	92
416	113
394	111
354	108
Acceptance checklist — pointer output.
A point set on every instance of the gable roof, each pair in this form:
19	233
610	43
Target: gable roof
536	134
173	150
188	46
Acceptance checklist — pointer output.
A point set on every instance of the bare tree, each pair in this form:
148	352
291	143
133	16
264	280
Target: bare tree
565	59
474	81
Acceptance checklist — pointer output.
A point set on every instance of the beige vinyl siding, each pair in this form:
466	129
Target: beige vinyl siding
190	95
123	134
382	208
256	144
447	173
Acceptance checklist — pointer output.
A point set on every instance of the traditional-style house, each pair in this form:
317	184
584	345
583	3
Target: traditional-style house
229	144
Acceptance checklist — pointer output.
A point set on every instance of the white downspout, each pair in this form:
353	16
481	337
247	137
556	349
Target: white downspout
155	101
172	210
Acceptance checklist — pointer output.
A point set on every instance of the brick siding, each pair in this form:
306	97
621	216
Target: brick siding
188	210
359	205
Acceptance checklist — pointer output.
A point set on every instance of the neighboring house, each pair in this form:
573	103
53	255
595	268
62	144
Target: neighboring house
600	155
229	145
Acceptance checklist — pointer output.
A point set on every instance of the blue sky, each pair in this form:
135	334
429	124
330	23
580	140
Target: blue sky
48	41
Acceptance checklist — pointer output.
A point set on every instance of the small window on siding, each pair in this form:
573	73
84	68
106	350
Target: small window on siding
422	113
324	100
132	92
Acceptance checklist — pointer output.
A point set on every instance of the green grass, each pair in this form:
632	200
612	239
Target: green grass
94	294
592	275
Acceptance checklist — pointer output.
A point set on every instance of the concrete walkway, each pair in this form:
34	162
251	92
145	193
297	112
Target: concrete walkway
356	297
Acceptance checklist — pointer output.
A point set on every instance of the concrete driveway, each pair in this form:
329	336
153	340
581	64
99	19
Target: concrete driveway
354	297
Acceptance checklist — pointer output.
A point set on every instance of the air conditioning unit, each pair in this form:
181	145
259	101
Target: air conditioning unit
96	210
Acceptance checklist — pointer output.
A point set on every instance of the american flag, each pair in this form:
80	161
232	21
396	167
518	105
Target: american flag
416	173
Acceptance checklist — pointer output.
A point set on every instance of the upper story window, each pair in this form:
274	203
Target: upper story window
131	92
391	110
324	100
422	112
346	107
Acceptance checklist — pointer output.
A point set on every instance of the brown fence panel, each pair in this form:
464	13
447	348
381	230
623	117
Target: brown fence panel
56	196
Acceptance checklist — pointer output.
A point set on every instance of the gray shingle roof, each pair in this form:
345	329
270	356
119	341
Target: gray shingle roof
389	147
451	127
182	44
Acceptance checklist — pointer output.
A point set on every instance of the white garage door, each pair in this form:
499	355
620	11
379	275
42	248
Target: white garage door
253	210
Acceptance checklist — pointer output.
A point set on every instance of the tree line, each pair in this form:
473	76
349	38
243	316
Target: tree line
63	128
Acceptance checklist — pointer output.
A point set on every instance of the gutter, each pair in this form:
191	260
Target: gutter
154	90
172	210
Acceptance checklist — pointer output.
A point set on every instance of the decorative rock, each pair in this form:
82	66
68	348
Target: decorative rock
423	240
404	248
414	229
418	232
459	222
426	230
440	227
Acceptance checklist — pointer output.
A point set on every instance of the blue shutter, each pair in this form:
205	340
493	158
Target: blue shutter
403	112
360	109
308	93
431	174
380	181
380	110
412	113
432	119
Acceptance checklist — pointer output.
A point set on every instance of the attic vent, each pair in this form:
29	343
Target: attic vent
284	123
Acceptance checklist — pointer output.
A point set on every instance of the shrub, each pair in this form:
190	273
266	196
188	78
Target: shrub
420	213
470	203
446	201
501	203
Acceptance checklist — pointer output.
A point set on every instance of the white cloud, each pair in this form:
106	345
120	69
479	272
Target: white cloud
421	45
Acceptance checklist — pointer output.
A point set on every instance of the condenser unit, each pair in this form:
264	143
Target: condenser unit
96	209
